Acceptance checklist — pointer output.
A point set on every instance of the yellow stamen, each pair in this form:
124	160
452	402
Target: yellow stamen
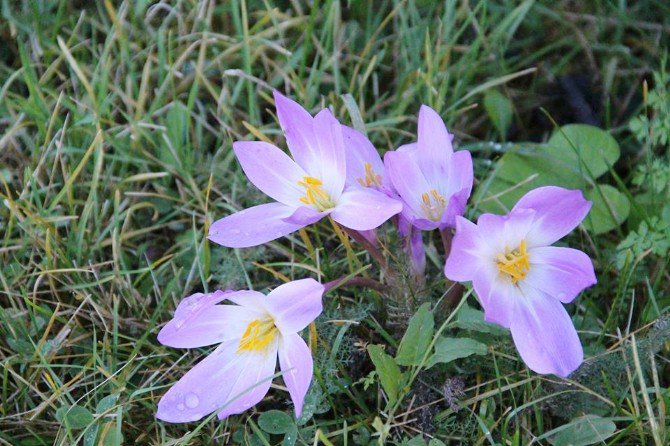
433	204
515	263
371	178
257	336
314	194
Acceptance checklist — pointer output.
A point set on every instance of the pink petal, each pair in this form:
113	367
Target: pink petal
504	232
305	215
316	143
558	211
294	305
359	150
215	381
464	259
560	272
253	226
544	335
250	300
331	156
252	384
298	127
271	170
499	297
295	361
434	147
198	321
362	209
461	174
408	181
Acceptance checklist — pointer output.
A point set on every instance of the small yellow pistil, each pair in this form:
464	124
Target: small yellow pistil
433	204
515	263
258	335
314	194
371	178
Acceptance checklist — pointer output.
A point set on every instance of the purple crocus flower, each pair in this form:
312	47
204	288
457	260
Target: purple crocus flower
522	281
365	168
433	181
306	188
252	334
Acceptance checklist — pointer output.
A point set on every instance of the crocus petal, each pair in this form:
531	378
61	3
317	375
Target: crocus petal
250	300
408	181
434	146
305	215
316	144
362	209
331	156
252	384
557	212
253	226
214	381
359	150
298	127
271	170
461	174
504	232
560	272
498	296
544	335
464	258
297	367
294	305
198	322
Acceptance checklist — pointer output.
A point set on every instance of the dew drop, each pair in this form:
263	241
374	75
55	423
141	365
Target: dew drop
192	400
181	406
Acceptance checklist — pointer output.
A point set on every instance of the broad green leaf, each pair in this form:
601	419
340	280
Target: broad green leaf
469	318
275	422
417	338
596	148
499	109
106	403
582	431
608	213
450	349
388	371
74	417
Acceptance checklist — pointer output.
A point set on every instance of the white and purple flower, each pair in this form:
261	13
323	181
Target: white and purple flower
521	280
306	188
252	335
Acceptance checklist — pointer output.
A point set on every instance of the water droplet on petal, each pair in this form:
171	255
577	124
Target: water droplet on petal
181	406
192	400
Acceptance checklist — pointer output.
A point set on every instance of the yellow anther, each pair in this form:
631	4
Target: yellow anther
257	336
515	263
433	205
371	178
314	194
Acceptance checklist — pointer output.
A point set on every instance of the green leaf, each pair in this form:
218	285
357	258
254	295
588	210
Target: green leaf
469	318
499	109
582	431
275	422
596	148
388	371
417	338
450	349
74	417
608	213
106	403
